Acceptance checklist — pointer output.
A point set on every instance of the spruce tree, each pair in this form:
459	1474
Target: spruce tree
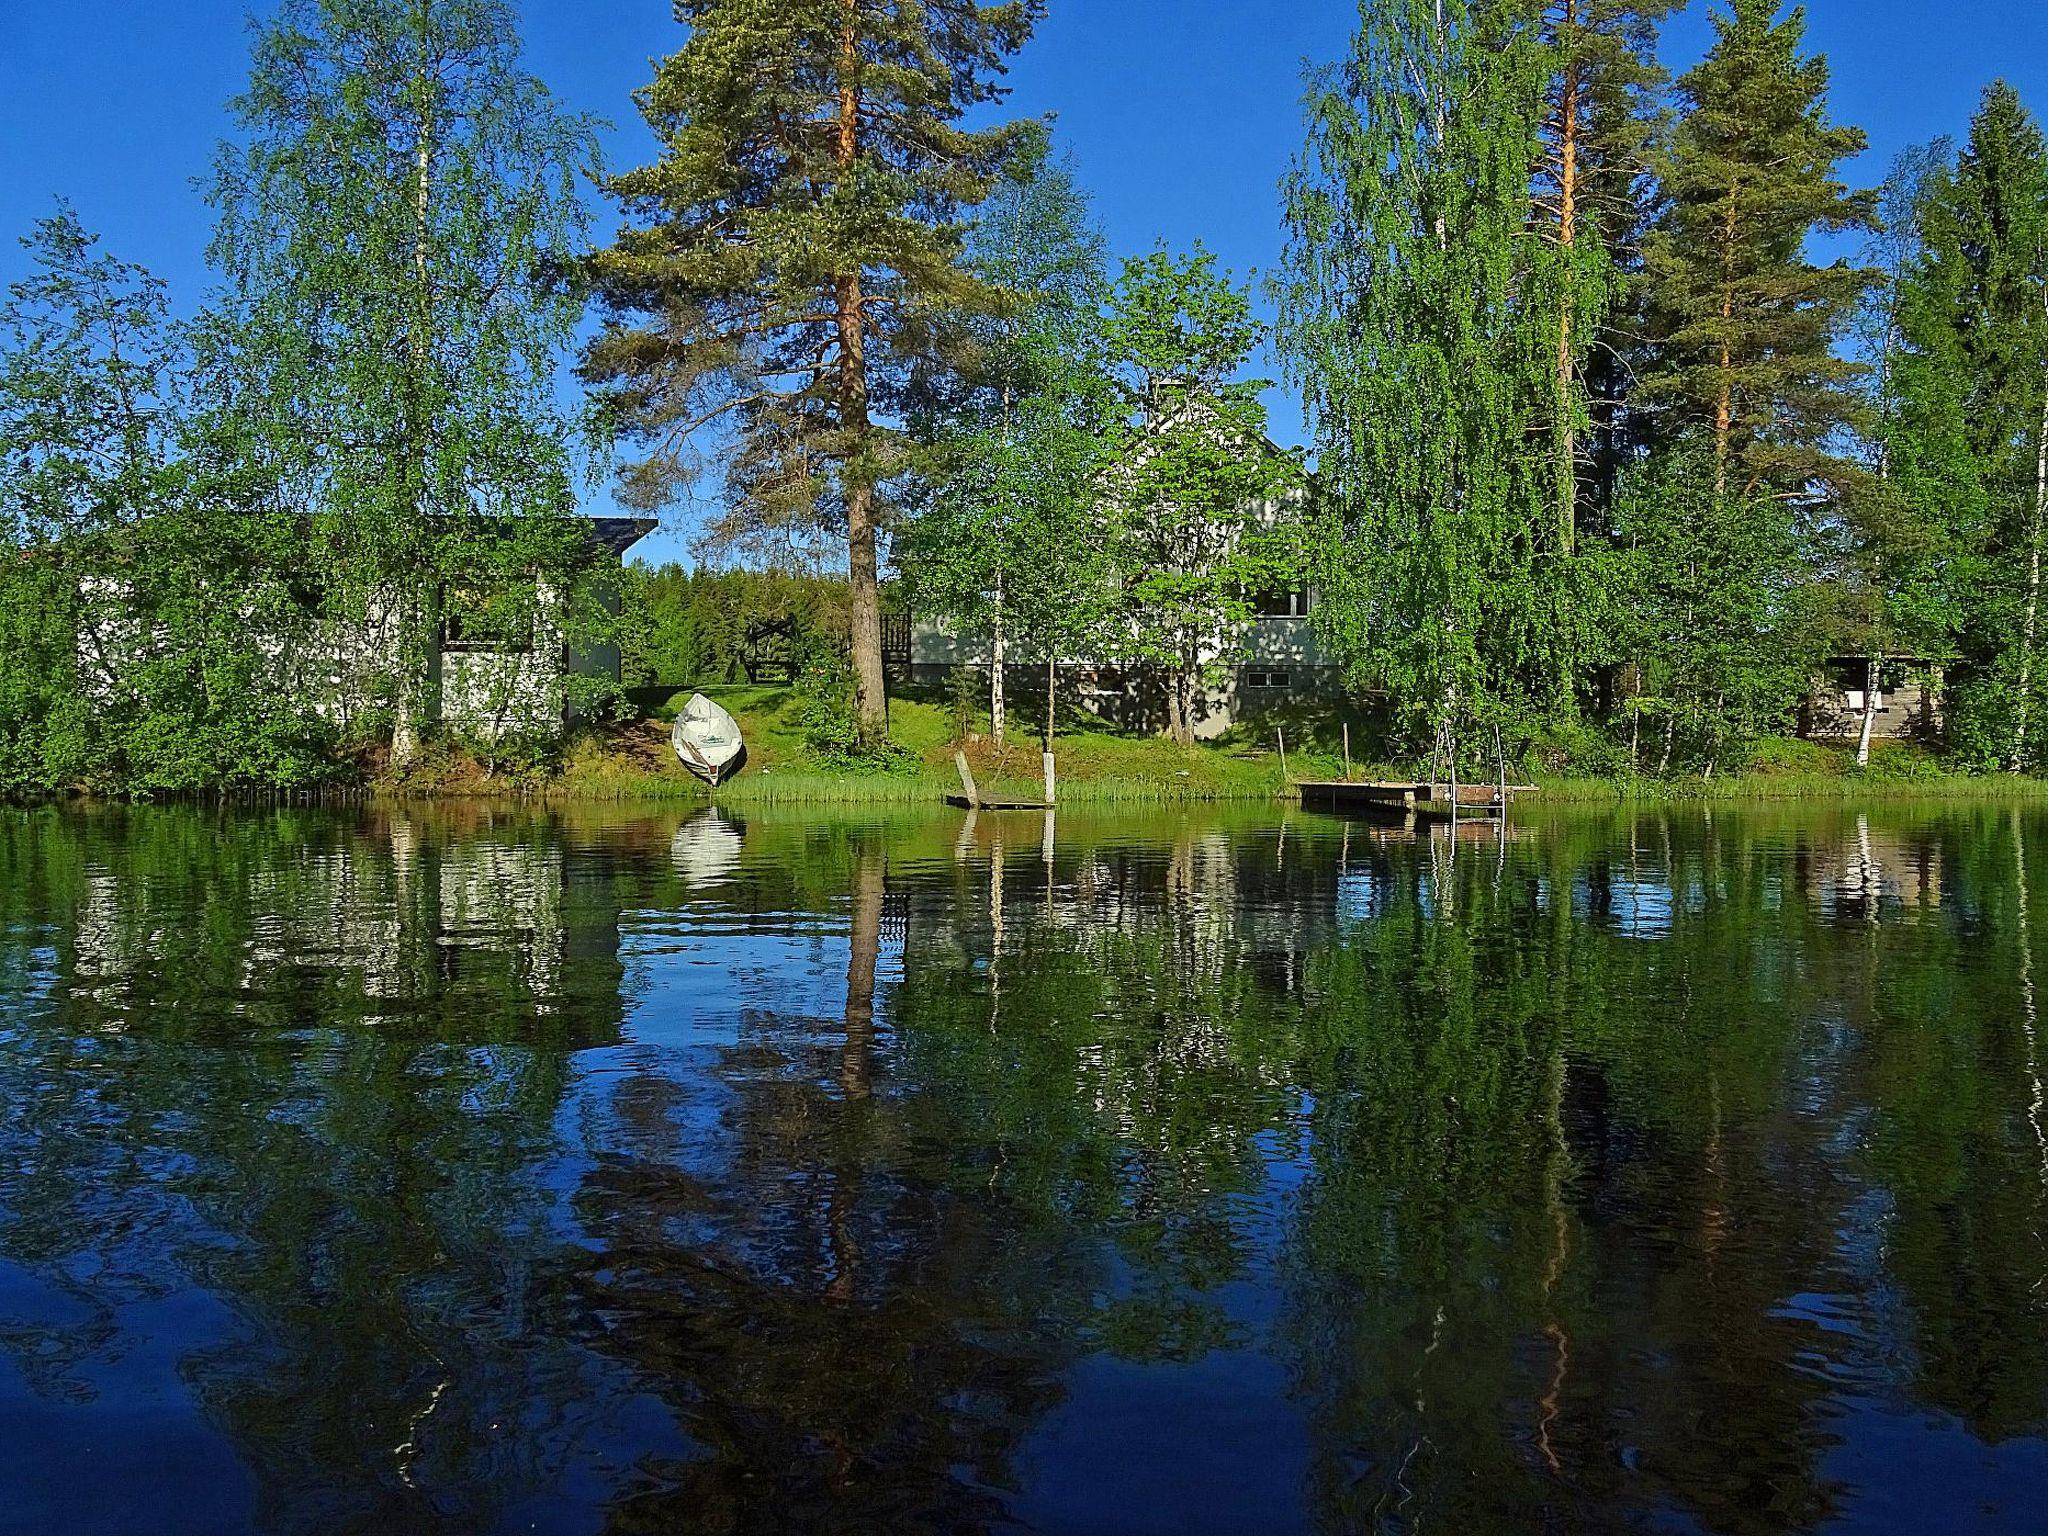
1968	444
787	254
1743	324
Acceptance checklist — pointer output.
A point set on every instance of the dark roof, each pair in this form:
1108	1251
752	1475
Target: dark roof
619	534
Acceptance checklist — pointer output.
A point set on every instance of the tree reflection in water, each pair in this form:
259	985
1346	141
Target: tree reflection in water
631	1170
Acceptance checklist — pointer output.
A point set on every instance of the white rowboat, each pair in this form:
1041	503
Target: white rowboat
707	739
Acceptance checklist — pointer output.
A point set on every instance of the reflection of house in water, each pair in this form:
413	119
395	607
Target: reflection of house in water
1221	900
412	911
1871	871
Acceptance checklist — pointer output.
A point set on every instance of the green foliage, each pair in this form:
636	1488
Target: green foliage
825	714
1425	328
1743	325
1712	611
705	626
1006	545
128	569
1964	440
391	231
1202	508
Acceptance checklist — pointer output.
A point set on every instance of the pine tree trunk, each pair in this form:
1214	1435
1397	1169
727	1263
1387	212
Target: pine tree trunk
1724	396
871	699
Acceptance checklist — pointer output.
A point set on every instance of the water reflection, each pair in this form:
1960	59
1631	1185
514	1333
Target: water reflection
648	1170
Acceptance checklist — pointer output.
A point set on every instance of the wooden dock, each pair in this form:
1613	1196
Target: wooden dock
971	798
1476	801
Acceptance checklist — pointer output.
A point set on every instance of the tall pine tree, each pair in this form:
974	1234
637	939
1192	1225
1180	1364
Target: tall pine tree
1968	441
790	247
1601	116
1743	324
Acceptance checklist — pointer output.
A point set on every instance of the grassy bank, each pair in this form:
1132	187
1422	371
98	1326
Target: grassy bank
1098	765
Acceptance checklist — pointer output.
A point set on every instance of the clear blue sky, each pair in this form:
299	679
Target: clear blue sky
1183	112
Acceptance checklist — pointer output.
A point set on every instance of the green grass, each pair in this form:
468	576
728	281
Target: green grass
1103	766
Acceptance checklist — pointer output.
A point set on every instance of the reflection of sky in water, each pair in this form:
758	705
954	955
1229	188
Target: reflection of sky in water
1195	1179
1633	906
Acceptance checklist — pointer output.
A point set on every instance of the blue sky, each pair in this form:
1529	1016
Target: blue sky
1183	113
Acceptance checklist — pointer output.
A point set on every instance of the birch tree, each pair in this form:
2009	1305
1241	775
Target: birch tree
1007	542
1425	329
392	226
1200	504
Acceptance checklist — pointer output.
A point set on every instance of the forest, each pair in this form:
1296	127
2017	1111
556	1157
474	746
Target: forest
1629	410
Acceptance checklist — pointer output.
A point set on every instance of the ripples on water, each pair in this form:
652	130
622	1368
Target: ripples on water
618	1171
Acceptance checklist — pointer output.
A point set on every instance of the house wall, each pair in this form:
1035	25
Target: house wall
1909	709
341	668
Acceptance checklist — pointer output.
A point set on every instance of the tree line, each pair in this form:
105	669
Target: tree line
1604	454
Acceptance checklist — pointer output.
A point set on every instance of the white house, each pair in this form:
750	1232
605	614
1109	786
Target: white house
491	681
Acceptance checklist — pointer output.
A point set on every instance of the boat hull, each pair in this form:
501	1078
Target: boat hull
708	741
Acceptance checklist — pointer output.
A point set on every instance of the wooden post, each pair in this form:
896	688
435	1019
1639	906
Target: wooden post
967	780
1280	736
1051	780
1347	751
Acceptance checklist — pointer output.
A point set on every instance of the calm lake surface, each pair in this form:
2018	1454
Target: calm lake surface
637	1171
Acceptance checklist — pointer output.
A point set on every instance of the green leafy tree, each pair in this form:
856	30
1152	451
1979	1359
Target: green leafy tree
131	577
1744	326
1202	507
1967	437
87	365
1714	610
391	230
1887	568
789	251
1007	545
1425	327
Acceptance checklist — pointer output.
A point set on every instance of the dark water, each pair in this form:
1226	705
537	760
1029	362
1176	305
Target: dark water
612	1171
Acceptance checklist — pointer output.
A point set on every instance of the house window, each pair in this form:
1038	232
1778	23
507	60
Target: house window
475	619
1267	678
1290	603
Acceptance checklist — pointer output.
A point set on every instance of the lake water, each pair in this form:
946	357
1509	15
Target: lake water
612	1170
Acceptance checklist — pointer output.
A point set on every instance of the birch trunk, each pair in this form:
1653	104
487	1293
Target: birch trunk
998	654
1869	714
2031	626
418	621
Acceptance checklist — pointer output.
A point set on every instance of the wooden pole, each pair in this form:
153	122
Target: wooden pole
1051	778
967	780
1347	751
1280	736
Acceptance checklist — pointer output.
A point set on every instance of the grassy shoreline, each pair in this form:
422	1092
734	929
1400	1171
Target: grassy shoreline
1097	767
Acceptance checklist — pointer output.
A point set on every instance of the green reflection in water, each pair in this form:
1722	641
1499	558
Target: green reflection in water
611	1170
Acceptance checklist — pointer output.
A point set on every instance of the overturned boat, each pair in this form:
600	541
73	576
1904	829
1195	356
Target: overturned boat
707	739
